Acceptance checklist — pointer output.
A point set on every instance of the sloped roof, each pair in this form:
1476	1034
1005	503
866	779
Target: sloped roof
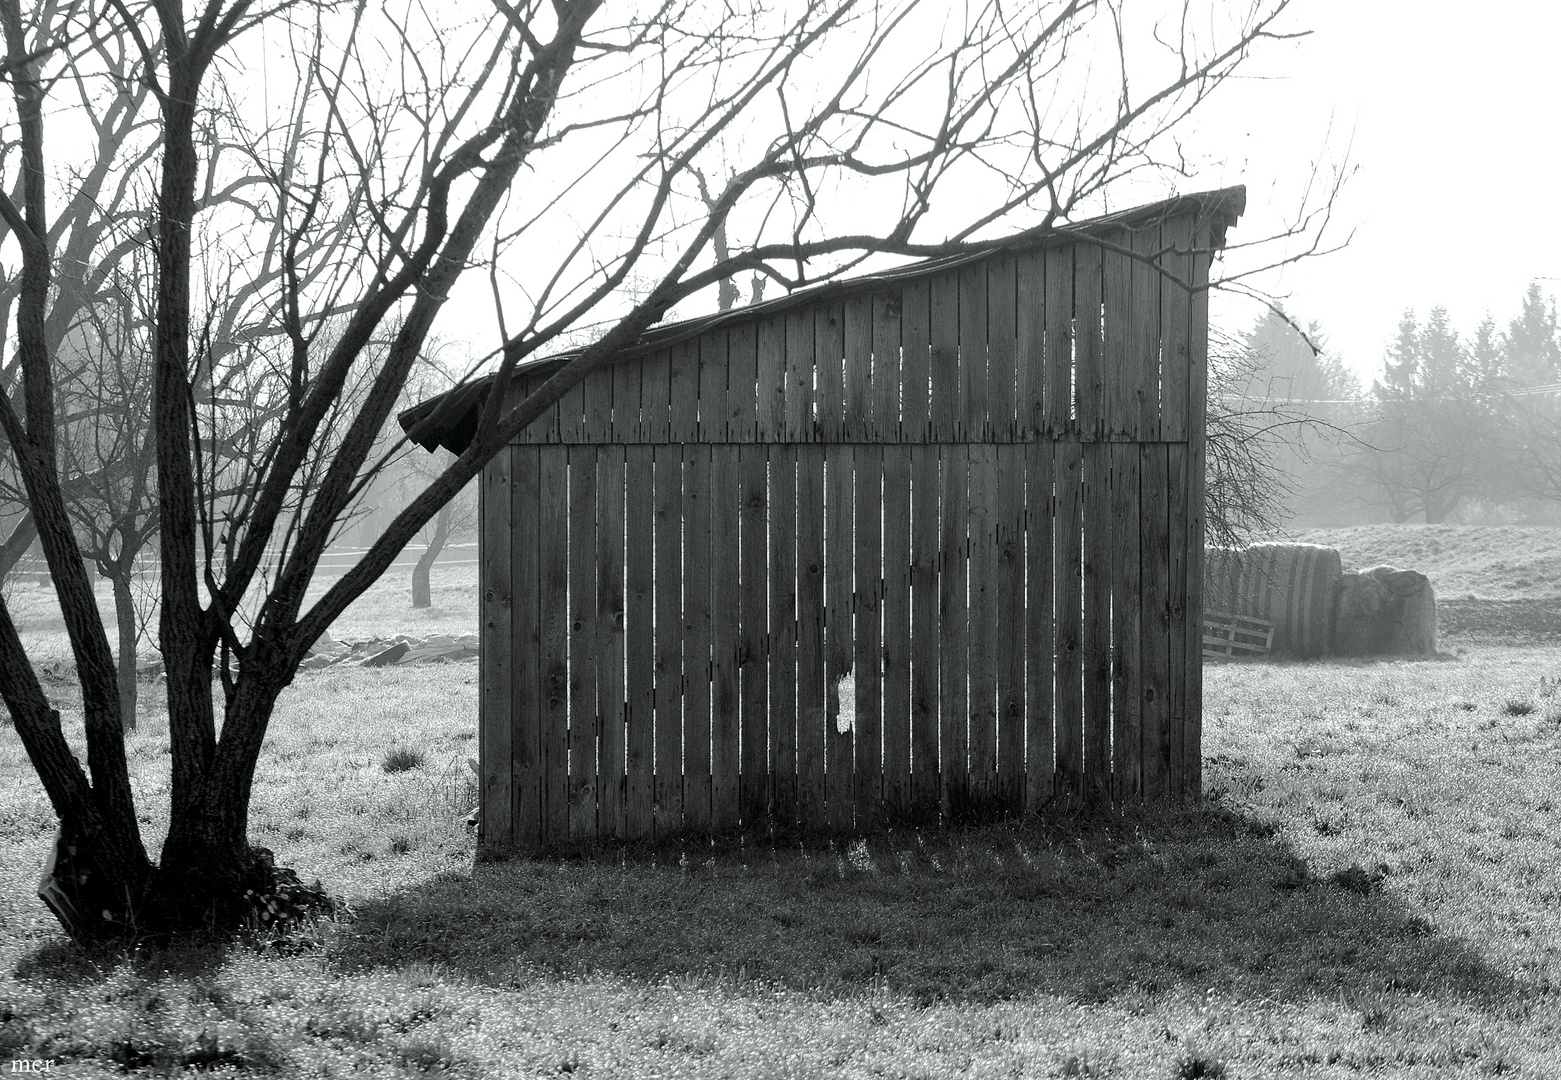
451	418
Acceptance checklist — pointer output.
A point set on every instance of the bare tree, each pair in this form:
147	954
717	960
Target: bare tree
553	146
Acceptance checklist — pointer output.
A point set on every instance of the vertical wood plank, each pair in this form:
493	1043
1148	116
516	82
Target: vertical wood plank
715	412
1175	324
866	646
725	638
640	639
1127	702
1145	332
571	414
812	705
887	375
1095	781
597	426
1072	377
973	425
953	647
1032	360
742	352
1197	388
1001	348
684	380
801	420
544	429
1177	425
1068	581
1008	513
897	579
983	622
669	632
1040	632
771	375
753	648
519	387
697	571
1119	373
1089	376
1176	566
925	636
859	422
829	344
1155	618
526	746
946	401
495	706
656	397
839	586
915	360
783	633
613	766
584	713
553	616
626	384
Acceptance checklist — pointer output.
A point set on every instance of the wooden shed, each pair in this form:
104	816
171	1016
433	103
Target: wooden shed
922	543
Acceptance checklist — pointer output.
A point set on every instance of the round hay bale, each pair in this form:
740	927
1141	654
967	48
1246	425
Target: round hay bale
1385	612
1293	586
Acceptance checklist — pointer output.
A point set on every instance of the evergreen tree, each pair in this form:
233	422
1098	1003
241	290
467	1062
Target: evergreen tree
1531	346
1289	365
1401	366
1486	358
1433	443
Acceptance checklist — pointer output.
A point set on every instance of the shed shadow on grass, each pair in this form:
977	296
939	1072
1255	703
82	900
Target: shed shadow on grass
1086	908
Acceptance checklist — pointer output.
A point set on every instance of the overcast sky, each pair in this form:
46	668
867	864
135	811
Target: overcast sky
1451	115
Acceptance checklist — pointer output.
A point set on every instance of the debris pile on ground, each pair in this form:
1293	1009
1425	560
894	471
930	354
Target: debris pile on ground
383	652
373	652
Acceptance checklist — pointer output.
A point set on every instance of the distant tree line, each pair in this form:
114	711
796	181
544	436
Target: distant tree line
1454	427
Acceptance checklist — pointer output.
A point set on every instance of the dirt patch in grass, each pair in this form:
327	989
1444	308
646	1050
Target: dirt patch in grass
1499	622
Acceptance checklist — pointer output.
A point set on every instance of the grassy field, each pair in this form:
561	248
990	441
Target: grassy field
1508	562
1371	886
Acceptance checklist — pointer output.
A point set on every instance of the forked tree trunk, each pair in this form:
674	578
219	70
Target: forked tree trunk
207	863
422	596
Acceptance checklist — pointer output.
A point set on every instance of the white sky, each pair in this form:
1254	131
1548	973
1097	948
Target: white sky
1455	112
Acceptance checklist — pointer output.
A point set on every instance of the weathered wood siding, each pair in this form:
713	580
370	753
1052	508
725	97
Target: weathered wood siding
976	493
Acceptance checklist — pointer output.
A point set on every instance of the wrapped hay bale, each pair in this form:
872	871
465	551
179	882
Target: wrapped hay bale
1385	612
1294	586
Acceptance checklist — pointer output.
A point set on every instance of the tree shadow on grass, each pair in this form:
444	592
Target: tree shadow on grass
61	960
1088	909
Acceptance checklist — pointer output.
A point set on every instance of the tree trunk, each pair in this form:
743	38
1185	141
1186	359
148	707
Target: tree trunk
208	868
421	595
16	545
125	613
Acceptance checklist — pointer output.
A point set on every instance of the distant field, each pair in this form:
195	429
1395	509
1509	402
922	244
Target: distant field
1500	562
383	611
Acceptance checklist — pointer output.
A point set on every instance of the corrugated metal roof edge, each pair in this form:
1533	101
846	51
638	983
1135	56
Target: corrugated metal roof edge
1224	206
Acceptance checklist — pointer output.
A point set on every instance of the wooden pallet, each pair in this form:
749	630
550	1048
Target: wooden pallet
1227	636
